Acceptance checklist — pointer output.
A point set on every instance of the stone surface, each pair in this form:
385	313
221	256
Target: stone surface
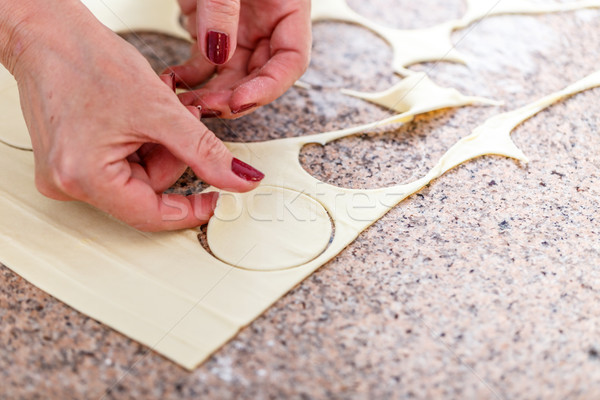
486	284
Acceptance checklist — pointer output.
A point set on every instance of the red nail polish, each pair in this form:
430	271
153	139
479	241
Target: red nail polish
173	81
217	47
208	113
243	108
169	79
246	171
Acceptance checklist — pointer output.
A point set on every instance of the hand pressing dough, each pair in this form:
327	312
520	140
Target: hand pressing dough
412	46
164	290
418	94
120	16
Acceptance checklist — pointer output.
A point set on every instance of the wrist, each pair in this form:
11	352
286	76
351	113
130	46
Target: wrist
27	25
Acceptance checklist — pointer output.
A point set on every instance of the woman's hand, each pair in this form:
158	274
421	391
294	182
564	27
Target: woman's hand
105	129
258	49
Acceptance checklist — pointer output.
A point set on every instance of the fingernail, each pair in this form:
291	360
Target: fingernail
217	47
243	108
213	200
169	79
246	171
208	113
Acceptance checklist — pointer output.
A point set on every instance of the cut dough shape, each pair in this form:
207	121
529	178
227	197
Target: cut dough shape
275	217
164	290
418	94
413	46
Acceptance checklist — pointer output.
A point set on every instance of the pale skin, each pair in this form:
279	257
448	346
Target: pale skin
108	131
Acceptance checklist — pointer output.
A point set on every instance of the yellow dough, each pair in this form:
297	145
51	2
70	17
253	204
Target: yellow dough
164	289
259	230
412	46
419	90
13	130
128	15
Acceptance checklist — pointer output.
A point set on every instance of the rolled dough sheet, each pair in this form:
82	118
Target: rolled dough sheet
412	46
165	290
13	130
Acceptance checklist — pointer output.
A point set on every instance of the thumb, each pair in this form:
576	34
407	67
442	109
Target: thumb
207	155
217	28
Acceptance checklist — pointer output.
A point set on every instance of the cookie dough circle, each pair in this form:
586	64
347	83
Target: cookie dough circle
270	228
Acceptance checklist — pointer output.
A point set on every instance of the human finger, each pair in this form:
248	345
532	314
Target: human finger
193	143
192	72
139	206
290	54
217	29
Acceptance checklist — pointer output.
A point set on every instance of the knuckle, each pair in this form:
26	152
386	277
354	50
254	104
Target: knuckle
223	9
187	6
210	148
65	174
44	187
304	63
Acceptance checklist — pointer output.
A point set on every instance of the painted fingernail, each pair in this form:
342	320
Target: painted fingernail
217	47
243	108
169	79
246	171
208	113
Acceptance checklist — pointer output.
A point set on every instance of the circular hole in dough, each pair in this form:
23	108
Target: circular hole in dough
270	228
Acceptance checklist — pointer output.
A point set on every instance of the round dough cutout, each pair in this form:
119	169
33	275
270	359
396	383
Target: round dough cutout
267	229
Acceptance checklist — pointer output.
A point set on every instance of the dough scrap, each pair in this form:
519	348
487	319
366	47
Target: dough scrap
418	94
413	46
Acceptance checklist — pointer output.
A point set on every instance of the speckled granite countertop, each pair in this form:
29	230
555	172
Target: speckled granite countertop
484	285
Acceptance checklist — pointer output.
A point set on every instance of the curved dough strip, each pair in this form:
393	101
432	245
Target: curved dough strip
412	46
418	94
